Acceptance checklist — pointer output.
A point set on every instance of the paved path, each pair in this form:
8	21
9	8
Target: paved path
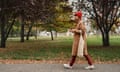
56	68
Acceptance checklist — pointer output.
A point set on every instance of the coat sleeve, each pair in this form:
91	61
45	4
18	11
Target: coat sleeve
78	30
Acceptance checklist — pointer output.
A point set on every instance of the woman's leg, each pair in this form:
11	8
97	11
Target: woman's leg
89	59
87	56
73	58
74	54
72	61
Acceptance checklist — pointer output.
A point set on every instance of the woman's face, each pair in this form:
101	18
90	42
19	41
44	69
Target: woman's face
76	18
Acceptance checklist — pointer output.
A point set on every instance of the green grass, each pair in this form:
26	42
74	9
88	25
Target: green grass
60	48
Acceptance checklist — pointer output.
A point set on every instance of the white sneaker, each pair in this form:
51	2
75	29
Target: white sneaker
67	66
90	67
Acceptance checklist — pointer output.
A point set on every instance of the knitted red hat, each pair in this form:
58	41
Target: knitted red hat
79	14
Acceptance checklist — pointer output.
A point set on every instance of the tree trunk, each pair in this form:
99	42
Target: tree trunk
10	28
30	28
22	30
105	39
56	34
3	24
51	35
3	40
35	33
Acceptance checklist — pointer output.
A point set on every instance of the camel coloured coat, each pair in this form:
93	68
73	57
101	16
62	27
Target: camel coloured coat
76	39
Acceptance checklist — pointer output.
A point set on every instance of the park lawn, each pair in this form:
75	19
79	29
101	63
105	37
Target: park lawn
60	48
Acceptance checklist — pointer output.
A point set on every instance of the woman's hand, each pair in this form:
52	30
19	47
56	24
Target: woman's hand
72	30
75	30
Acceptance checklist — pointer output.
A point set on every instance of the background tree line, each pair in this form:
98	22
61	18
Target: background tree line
26	13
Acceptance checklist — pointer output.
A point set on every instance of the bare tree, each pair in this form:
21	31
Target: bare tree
105	13
6	15
25	10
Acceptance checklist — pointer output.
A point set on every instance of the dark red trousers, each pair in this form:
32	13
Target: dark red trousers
87	57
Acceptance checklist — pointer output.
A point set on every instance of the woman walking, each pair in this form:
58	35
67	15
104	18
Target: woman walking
79	46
